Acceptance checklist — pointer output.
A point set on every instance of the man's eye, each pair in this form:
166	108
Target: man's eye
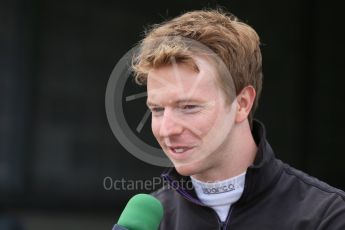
157	110
189	107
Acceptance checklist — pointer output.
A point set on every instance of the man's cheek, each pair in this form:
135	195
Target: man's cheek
155	129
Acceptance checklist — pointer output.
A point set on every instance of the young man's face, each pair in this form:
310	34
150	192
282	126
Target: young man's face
190	118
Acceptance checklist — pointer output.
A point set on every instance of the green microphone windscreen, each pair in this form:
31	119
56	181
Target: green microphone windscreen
142	212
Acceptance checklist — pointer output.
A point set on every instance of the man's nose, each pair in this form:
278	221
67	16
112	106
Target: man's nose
170	124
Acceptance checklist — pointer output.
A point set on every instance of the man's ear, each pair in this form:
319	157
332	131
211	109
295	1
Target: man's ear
245	101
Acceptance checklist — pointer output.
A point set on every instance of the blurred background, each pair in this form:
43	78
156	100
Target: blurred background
58	156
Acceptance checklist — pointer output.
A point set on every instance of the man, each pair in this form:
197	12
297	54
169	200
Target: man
204	78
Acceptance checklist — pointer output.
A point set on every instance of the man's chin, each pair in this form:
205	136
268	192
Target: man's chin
187	169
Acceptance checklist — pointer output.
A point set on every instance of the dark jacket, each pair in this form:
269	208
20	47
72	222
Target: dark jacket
276	196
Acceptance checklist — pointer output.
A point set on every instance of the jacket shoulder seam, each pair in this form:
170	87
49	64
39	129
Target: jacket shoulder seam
301	178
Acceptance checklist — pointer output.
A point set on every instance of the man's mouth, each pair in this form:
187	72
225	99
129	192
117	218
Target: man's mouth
179	149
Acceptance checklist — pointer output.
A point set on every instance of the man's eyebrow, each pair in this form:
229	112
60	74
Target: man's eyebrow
148	103
180	101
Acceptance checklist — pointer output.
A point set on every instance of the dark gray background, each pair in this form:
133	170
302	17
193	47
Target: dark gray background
56	146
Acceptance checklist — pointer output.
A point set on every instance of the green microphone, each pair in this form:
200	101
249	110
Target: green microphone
142	212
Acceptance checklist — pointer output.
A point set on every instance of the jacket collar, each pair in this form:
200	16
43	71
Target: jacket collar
259	177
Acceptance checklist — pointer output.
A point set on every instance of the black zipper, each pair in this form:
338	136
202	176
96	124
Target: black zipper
222	225
227	220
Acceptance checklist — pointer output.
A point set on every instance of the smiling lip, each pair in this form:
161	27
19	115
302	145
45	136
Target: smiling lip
179	152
